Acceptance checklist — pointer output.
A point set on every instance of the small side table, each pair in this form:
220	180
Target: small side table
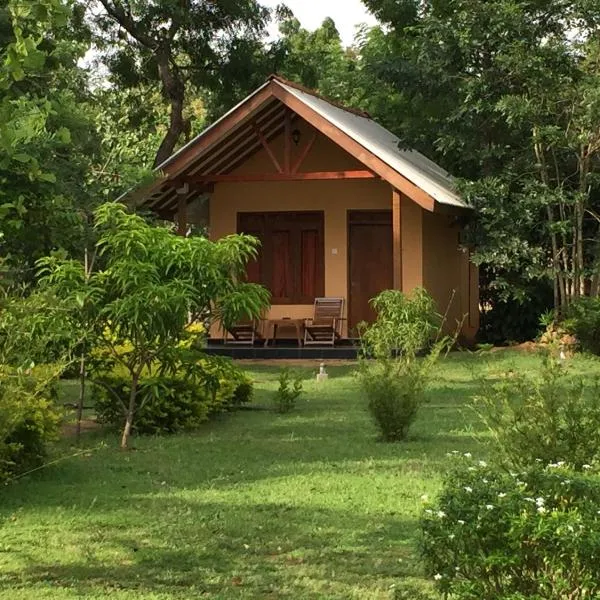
274	324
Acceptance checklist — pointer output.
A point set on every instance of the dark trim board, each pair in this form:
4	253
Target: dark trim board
285	349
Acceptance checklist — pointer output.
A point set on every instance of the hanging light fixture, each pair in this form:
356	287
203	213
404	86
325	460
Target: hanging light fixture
296	136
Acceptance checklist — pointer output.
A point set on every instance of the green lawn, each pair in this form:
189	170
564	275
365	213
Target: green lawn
256	505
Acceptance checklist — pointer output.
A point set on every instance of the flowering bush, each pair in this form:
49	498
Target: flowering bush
497	535
550	417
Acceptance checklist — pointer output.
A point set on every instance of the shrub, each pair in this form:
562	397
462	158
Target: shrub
405	323
175	399
583	320
395	390
550	418
395	382
290	389
499	535
28	418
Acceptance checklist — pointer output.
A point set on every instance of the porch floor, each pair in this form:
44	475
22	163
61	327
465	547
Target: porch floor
284	349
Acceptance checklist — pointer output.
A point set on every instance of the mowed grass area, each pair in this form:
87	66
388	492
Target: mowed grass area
308	505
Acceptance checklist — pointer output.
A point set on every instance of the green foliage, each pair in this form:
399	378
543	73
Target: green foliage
179	398
201	40
149	287
549	417
288	392
28	417
503	95
497	535
583	320
47	137
405	324
395	390
395	382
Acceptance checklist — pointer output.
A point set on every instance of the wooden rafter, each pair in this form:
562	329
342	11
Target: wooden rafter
304	153
265	145
351	146
253	177
287	143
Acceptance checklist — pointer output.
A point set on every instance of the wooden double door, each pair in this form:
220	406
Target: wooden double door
371	262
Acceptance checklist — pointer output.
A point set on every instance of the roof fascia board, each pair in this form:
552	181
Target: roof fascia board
219	129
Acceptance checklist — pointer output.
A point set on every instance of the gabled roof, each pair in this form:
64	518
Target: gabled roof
231	140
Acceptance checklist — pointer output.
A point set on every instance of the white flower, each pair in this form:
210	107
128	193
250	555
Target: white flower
489	506
468	455
541	510
428	512
529	499
482	463
484	480
437	576
539	501
468	489
501	495
424	498
586	467
451	536
461	522
441	514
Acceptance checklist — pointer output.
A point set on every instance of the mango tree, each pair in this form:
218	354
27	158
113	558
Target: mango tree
149	284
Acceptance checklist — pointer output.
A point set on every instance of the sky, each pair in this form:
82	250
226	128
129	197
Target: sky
311	13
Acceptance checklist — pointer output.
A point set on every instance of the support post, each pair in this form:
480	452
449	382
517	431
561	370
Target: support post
397	237
182	216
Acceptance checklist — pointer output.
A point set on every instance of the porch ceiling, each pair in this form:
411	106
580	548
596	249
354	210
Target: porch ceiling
221	158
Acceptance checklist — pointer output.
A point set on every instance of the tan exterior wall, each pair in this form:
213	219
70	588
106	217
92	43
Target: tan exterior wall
449	276
422	264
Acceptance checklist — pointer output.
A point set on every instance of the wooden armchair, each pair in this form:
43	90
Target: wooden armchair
325	325
243	332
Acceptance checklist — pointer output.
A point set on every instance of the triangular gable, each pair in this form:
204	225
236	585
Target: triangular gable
266	113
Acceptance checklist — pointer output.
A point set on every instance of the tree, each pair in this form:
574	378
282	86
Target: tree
46	137
181	44
149	285
503	95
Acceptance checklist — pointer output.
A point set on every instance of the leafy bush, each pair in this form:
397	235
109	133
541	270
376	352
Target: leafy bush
28	417
584	322
550	418
395	382
405	323
176	399
499	535
395	391
290	389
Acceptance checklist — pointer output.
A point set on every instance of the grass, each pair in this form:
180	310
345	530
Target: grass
308	505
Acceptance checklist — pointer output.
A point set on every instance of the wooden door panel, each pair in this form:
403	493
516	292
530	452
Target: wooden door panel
371	268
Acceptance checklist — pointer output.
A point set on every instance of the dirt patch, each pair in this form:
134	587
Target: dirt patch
70	429
524	347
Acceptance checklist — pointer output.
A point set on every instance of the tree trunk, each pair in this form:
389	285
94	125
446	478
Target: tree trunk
130	412
174	91
81	400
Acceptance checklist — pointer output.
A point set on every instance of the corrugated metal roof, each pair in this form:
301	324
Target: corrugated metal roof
413	165
208	154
